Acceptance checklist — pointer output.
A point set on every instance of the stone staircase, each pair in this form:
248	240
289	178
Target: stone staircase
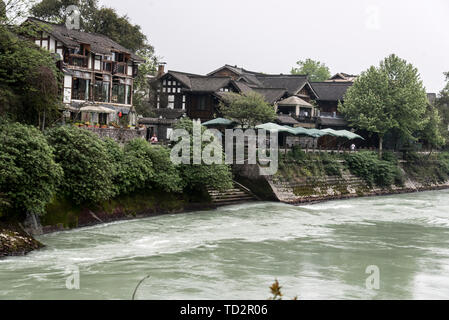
235	195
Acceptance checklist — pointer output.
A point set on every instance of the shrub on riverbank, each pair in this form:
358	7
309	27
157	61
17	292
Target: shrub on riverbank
28	173
428	169
301	164
198	176
75	165
367	165
88	170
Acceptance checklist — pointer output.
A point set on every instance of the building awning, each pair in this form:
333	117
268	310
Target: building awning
343	134
275	127
96	109
219	122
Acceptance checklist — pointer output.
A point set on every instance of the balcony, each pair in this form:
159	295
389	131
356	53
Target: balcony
334	115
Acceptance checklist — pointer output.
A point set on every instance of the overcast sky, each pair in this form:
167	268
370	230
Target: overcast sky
269	36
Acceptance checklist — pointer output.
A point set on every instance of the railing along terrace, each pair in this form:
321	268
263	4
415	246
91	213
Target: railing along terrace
330	115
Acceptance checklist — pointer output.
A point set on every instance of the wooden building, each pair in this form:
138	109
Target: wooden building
98	72
329	95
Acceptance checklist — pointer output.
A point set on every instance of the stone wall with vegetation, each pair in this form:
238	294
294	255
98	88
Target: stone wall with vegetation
121	135
321	176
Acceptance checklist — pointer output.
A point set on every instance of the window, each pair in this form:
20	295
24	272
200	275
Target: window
103	118
97	63
107	66
118	91
171	101
202	102
163	100
80	89
101	91
128	94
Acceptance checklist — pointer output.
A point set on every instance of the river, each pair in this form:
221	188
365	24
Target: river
318	251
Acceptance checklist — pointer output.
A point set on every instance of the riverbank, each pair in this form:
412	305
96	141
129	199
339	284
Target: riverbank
14	241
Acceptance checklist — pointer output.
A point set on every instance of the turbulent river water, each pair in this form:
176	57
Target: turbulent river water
318	251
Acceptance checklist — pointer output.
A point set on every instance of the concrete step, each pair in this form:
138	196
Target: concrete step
240	199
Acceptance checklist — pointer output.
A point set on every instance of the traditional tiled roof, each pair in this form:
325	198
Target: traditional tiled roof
208	84
331	91
271	95
292	83
99	43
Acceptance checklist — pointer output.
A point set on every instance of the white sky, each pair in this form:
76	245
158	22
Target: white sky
269	36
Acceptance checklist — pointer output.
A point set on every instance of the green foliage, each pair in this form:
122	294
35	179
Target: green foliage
248	109
315	70
442	104
367	165
428	169
141	166
391	96
197	177
142	85
166	176
29	80
88	171
432	134
136	167
28	175
297	163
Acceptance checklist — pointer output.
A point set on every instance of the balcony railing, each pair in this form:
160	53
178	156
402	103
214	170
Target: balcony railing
330	115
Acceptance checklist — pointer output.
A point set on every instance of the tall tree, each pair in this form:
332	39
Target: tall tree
315	70
391	96
442	104
28	80
56	11
248	109
13	11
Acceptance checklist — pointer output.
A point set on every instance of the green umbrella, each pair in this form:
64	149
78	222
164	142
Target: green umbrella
218	122
275	127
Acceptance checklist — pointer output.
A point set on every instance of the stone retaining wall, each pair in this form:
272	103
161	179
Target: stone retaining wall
119	135
314	189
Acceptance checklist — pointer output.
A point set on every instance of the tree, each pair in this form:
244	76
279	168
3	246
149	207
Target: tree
13	11
88	171
315	70
388	97
56	11
199	176
431	133
442	104
29	175
142	86
248	109
29	80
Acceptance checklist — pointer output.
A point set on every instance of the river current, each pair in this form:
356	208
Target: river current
319	251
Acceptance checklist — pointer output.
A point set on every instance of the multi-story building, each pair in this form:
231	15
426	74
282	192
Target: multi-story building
98	73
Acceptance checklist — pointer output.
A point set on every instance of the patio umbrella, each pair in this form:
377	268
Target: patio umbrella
219	122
